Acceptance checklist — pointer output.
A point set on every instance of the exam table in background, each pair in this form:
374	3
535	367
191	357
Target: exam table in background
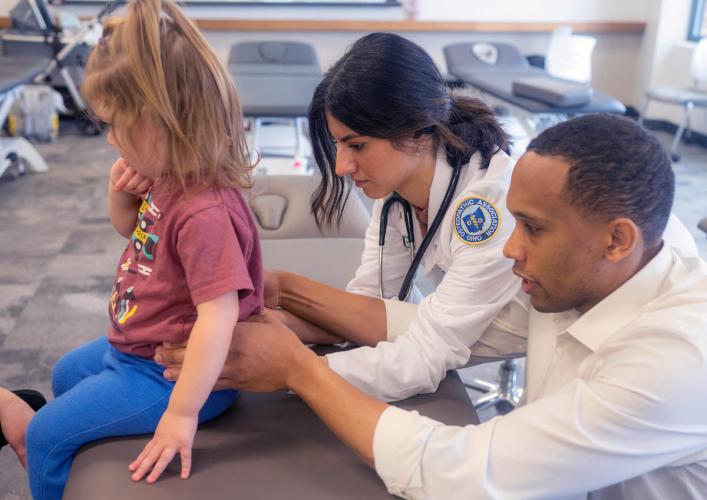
488	70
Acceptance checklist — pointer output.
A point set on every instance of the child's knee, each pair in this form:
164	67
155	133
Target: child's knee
41	437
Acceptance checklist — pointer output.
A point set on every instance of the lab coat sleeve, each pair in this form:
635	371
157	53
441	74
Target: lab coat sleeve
475	289
398	316
396	258
623	420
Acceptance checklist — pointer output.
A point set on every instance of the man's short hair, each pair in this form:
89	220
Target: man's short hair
617	169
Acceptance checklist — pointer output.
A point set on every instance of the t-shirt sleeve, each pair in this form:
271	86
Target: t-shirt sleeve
211	256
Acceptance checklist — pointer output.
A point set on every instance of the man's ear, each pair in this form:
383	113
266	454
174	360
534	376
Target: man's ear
623	238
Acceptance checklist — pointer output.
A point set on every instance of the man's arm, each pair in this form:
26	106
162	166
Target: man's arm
621	420
269	357
624	421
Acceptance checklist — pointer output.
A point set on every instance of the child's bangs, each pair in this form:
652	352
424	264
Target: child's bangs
111	95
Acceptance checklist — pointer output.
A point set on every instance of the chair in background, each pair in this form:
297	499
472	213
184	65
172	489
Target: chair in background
687	98
276	81
290	238
569	56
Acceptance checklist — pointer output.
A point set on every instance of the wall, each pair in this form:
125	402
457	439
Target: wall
533	10
615	57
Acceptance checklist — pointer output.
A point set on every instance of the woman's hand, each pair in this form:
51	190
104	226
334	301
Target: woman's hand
124	178
263	355
271	289
174	434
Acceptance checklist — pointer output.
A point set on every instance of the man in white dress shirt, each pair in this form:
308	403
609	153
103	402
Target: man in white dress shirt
616	394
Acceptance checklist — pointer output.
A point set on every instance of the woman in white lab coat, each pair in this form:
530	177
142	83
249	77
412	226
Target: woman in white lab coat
384	119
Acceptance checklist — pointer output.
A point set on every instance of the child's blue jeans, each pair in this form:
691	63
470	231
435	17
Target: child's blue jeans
100	392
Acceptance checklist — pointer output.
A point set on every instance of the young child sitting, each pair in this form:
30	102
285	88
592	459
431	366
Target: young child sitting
192	267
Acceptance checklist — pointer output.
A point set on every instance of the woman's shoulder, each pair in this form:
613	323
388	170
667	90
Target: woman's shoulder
492	181
500	163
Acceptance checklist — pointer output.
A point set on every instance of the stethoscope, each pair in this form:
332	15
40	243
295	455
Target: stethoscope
409	238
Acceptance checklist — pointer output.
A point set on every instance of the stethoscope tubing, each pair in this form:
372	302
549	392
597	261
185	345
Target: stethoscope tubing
415	257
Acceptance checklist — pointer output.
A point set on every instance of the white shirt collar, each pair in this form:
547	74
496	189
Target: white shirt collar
624	304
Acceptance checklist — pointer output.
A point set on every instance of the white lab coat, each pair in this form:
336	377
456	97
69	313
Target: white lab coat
474	282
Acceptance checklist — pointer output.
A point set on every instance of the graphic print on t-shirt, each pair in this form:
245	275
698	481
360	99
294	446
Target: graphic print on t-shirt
143	242
120	303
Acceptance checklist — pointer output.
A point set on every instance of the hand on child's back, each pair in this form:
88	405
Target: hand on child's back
125	178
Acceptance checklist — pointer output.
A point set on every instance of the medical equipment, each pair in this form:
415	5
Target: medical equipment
409	237
34	33
276	81
17	155
552	91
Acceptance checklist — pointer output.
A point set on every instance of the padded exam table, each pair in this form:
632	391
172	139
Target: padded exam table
276	81
265	446
493	83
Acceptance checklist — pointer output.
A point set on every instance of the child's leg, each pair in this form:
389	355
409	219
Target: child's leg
127	397
76	365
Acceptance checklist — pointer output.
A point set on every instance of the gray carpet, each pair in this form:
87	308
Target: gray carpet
58	252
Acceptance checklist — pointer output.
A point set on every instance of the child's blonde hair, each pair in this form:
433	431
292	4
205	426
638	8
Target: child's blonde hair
154	64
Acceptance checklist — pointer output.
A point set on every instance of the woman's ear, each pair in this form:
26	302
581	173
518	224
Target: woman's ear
624	237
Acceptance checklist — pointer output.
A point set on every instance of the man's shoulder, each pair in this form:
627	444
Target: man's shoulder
679	311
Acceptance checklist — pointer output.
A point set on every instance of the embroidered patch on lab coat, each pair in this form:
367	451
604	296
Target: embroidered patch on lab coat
476	221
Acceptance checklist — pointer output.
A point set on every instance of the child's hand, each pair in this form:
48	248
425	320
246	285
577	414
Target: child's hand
125	178
175	433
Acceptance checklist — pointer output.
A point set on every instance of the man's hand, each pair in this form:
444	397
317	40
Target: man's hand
124	178
263	355
15	415
174	434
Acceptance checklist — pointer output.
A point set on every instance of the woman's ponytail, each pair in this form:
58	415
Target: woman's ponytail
471	127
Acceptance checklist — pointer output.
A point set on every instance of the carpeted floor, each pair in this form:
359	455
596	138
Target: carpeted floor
58	252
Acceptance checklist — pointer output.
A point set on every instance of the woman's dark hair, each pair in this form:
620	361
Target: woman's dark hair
387	87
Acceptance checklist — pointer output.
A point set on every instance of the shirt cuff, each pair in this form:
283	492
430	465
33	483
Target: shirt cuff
399	440
398	316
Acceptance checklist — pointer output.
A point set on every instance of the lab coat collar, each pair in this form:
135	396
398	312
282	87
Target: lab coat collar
624	304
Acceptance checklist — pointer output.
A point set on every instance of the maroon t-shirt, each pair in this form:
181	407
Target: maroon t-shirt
186	249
